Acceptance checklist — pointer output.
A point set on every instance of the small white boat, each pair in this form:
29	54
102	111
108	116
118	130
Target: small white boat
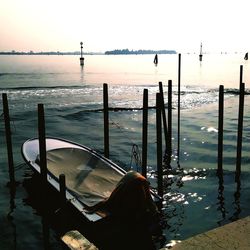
90	178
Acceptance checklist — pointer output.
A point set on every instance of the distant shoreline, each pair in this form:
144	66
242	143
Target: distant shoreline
77	53
49	53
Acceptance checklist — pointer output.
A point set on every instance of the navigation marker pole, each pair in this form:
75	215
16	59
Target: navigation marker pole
201	55
81	58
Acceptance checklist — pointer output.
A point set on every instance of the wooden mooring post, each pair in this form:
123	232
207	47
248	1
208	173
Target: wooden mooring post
169	120
46	233
164	119
8	140
241	74
179	111
240	130
42	146
159	145
144	133
220	132
106	120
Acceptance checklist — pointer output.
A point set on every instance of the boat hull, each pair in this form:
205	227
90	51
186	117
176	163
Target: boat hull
90	177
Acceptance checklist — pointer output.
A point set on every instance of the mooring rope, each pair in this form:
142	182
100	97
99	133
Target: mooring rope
135	152
20	166
136	156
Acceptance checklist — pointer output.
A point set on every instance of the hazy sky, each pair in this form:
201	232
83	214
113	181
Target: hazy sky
60	25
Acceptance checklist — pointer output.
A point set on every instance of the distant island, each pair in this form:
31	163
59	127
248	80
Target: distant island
138	52
111	52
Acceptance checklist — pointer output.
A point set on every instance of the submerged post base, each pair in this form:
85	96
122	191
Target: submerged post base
81	61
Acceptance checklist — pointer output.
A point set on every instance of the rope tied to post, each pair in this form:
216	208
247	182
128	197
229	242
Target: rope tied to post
136	156
135	152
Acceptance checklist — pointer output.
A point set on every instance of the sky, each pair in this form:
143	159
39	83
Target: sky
181	25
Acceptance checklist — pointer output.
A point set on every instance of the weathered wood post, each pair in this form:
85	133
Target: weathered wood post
164	119
159	145
144	133
42	145
8	139
170	119
240	129
46	233
241	74
179	111
106	120
220	132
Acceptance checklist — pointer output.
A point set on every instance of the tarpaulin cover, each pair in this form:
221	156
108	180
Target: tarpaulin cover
89	177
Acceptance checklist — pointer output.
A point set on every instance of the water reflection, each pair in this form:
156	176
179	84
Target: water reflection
236	202
9	215
174	212
178	200
236	209
221	200
82	74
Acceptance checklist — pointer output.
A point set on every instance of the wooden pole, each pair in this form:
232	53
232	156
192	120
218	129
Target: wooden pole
220	131
164	119
240	129
179	112
46	233
159	145
42	144
8	139
241	74
106	120
145	132
170	119
81	58
62	189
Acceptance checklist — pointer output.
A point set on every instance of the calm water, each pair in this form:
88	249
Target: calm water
72	95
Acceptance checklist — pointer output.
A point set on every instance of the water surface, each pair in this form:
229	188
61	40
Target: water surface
72	95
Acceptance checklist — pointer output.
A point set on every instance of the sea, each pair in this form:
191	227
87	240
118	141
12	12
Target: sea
194	199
